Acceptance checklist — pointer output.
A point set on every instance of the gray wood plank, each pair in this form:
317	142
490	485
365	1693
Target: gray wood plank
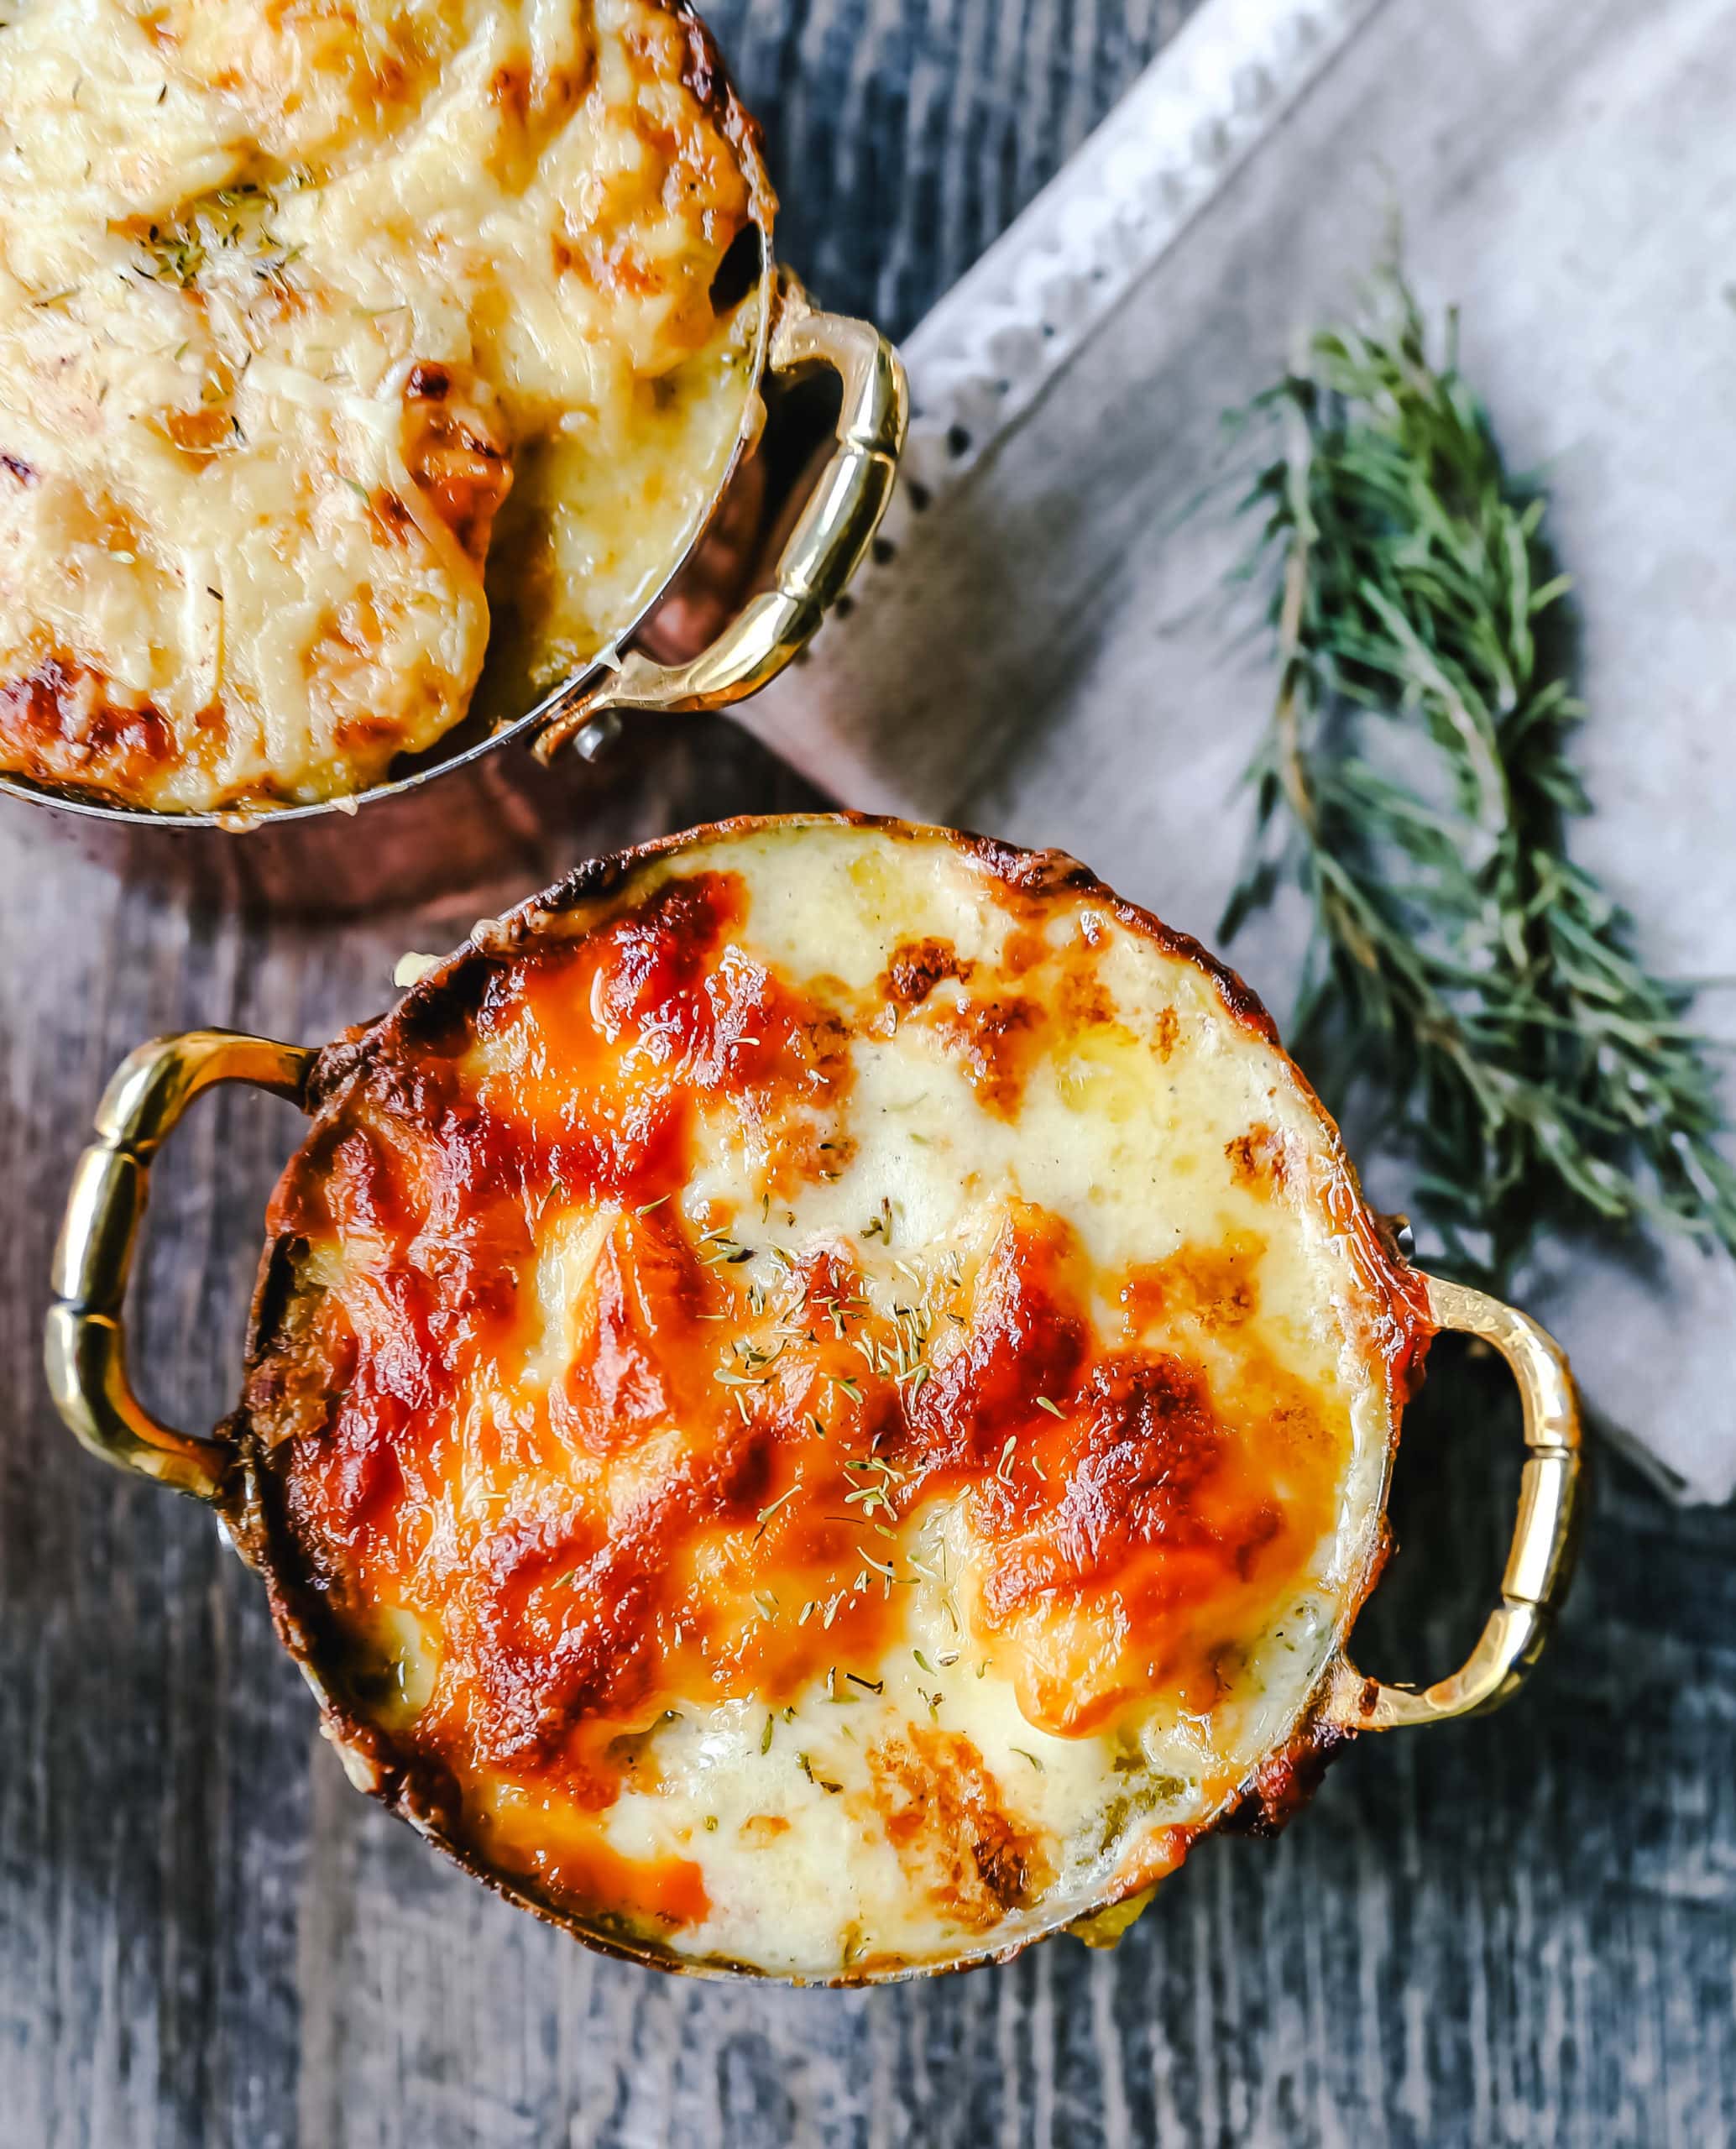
1512	1931
906	134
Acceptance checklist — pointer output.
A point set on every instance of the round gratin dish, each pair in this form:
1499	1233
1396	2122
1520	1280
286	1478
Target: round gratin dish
819	1401
394	395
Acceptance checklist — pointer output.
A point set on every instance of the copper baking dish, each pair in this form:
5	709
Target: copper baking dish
788	523
948	1008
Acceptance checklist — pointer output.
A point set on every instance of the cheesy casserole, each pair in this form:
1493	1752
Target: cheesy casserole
821	1398
361	361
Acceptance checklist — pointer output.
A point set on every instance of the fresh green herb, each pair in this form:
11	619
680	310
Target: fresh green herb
1468	988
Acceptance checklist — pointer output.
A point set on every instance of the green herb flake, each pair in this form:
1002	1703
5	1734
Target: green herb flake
768	1511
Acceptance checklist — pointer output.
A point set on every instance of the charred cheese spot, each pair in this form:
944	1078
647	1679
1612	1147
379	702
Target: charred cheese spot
941	1810
62	718
1257	1157
917	967
782	1498
385	329
454	450
992	1035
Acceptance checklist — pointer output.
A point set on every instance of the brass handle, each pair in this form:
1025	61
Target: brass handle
85	1341
823	549
1539	1563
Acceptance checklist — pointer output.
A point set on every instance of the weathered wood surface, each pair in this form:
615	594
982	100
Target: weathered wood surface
1513	1931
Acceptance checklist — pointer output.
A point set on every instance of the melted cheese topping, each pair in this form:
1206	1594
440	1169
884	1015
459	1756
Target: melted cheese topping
839	1406
334	333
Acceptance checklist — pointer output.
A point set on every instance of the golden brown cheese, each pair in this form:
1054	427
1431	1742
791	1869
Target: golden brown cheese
831	1398
342	344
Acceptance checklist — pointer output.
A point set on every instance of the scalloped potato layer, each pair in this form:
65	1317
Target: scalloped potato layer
834	1398
344	344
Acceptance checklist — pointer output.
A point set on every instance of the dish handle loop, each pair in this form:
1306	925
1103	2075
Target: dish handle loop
1539	1563
85	1340
823	549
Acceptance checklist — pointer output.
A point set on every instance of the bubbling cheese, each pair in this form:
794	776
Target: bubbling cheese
829	1398
358	365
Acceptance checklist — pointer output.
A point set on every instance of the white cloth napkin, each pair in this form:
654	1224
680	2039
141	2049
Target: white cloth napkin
1041	655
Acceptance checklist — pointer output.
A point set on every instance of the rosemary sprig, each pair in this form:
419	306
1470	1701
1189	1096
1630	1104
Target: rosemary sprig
1466	985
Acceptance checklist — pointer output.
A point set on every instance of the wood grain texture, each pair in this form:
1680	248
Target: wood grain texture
1512	1931
904	135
